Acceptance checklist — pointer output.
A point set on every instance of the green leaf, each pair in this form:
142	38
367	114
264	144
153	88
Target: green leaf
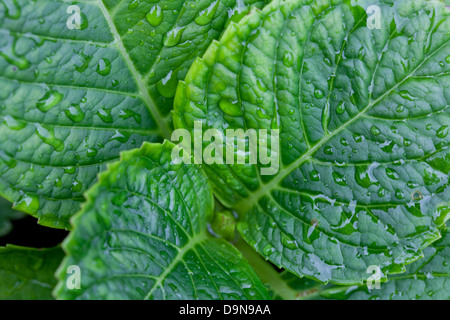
27	273
427	278
72	99
6	215
363	118
142	235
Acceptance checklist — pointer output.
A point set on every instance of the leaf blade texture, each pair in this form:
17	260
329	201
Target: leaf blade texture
364	161
142	235
72	99
424	279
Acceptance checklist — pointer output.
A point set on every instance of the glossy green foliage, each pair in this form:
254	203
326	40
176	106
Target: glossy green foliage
142	235
6	215
28	274
165	37
363	118
428	278
72	99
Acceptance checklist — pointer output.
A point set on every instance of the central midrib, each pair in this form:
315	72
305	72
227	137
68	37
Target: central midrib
189	246
162	124
246	204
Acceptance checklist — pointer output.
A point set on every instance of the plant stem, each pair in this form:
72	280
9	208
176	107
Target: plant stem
266	272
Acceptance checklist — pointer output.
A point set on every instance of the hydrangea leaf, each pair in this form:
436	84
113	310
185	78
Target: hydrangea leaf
74	96
363	118
427	278
142	234
27	273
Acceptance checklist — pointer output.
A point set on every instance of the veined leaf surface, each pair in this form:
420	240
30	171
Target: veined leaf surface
27	273
427	278
142	234
73	98
363	118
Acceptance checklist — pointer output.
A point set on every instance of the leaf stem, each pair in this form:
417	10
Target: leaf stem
266	272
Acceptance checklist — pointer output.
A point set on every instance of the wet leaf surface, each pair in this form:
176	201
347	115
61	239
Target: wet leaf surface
363	118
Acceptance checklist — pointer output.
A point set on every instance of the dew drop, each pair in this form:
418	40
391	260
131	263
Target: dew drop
155	16
406	95
328	150
121	136
262	114
133	4
406	142
288	59
261	86
442	132
84	22
340	108
9	53
85	60
430	178
77	186
288	242
47	135
344	142
173	37
12	9
127	113
91	152
75	113
49	100
400	109
314	175
327	61
318	94
27	203
375	131
339	179
70	170
268	250
105	115
399	194
13	123
104	67
207	15
358	138
391	173
167	86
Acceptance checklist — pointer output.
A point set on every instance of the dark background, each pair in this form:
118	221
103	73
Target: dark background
27	233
